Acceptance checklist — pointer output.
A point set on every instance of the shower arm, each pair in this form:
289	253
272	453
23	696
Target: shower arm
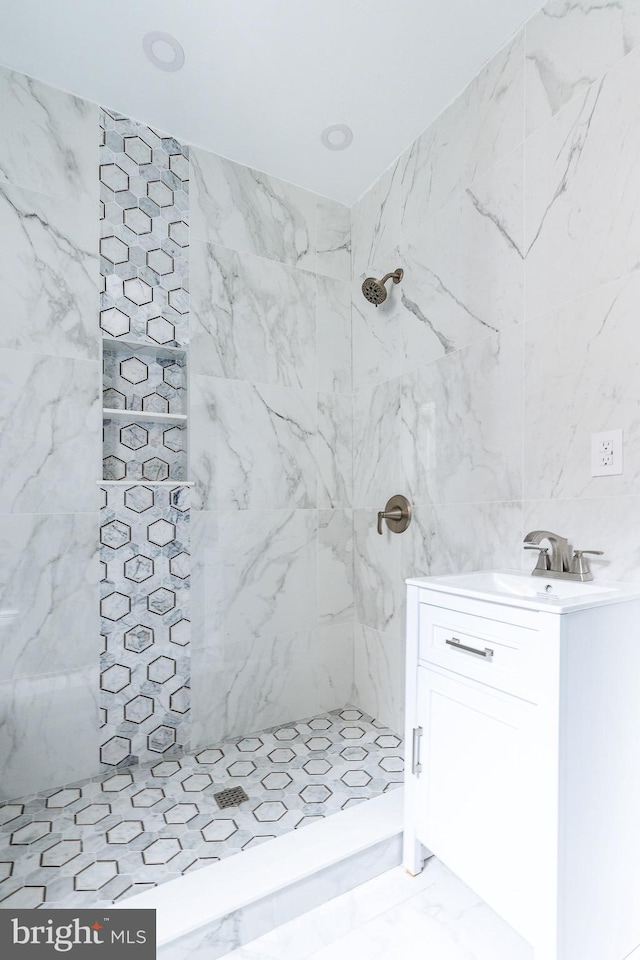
396	275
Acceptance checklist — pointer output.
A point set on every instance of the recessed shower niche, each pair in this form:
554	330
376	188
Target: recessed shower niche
144	412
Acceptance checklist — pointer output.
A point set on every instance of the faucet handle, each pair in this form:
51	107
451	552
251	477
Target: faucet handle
580	566
543	558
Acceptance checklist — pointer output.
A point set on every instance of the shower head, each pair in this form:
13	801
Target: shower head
375	290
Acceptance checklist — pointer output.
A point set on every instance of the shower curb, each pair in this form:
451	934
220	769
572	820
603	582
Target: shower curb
224	906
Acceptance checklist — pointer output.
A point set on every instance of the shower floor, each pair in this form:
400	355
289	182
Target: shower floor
97	841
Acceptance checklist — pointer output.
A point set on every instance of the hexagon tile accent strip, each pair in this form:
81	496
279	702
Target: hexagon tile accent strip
144	237
145	668
104	839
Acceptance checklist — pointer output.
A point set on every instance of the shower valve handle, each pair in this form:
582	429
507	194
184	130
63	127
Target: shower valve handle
397	513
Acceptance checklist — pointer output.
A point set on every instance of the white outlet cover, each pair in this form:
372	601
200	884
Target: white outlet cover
606	453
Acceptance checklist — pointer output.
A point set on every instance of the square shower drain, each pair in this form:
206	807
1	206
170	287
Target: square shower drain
230	798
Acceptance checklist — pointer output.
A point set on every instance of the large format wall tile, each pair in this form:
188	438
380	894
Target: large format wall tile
464	268
481	127
335	450
333	328
253	446
583	192
589	523
48	274
255	575
49	576
376	332
253	319
47	139
48	731
335	566
252	212
581	376
145	662
454	538
570	44
334	239
377	470
50	414
378	588
266	681
379	676
462	424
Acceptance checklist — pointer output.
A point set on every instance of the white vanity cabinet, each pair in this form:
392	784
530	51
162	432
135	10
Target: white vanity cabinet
523	753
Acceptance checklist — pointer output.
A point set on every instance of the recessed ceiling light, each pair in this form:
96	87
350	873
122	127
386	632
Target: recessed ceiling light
163	50
337	137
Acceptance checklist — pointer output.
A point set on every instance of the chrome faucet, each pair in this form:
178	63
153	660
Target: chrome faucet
558	565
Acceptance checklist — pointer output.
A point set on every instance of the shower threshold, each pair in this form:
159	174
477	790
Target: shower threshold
123	834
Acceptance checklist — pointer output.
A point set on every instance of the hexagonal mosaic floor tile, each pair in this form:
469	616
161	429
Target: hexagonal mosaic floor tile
106	839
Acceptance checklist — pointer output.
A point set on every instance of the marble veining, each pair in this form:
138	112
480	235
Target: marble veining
333	331
253	319
334	239
249	211
47	139
254	445
93	842
582	194
335	445
571	44
48	267
335	566
50	411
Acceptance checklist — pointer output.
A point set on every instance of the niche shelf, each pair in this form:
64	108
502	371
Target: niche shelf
144	413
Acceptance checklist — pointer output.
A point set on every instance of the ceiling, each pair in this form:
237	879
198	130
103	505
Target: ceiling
263	78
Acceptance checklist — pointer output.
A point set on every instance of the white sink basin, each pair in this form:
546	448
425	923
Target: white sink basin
514	588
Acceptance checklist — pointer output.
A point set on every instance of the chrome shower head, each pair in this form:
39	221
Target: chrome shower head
375	290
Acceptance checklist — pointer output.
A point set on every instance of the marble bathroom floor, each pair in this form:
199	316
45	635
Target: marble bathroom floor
101	840
393	917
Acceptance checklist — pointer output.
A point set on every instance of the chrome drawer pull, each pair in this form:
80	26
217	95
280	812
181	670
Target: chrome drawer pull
487	652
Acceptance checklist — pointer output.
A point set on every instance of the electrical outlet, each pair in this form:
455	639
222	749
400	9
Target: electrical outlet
606	453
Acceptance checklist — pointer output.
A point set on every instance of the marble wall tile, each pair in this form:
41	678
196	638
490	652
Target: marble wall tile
377	470
49	576
581	376
333	333
256	574
376	332
253	319
48	274
47	139
260	682
378	587
570	44
253	446
50	412
590	523
462	424
335	450
454	538
48	731
464	270
334	239
582	193
251	212
145	662
481	127
335	566
379	676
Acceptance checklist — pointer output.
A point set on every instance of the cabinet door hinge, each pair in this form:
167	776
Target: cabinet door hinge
416	766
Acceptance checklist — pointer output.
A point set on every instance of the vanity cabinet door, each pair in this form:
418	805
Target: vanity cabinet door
477	789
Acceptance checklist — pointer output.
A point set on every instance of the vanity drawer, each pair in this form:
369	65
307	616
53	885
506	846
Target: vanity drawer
502	655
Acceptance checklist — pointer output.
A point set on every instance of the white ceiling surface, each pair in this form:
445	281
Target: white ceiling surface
263	78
